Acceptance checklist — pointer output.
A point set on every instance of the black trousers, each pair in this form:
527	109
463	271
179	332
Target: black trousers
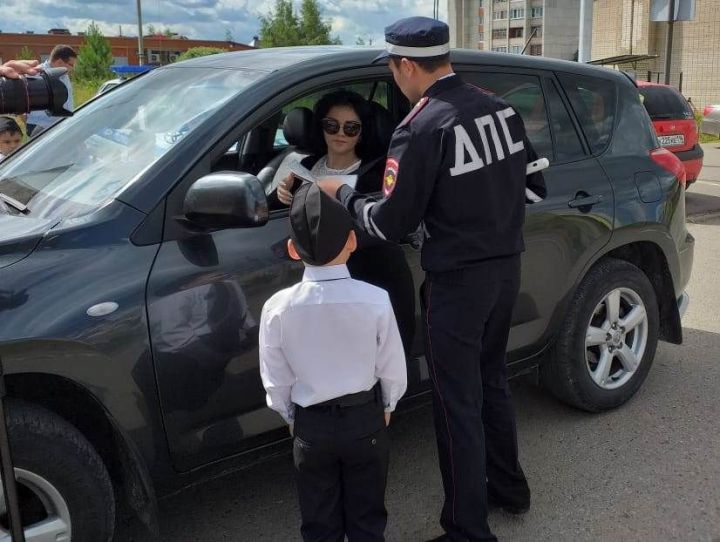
341	458
468	314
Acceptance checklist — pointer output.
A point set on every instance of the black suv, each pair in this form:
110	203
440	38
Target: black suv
139	241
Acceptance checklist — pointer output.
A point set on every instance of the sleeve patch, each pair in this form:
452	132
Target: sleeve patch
390	176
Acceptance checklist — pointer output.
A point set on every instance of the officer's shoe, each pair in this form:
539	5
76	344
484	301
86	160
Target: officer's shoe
442	538
510	508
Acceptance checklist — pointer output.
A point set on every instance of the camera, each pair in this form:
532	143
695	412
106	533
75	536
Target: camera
34	93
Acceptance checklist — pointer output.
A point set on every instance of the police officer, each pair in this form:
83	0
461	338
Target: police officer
457	167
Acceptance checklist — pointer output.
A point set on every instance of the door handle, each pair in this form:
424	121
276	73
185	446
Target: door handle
584	200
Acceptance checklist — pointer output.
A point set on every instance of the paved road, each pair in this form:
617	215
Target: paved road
703	196
647	471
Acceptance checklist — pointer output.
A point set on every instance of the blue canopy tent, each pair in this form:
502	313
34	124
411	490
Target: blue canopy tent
128	70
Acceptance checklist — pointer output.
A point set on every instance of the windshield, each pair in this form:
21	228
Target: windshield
90	157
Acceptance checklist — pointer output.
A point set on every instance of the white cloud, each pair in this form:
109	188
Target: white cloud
205	19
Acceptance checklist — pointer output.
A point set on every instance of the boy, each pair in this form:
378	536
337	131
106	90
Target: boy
332	362
10	136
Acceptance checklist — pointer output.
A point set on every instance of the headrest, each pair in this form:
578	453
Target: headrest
298	126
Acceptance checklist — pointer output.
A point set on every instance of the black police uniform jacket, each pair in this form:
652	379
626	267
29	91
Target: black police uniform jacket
456	165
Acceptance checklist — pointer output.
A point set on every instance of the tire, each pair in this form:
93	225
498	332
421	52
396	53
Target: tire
591	364
61	477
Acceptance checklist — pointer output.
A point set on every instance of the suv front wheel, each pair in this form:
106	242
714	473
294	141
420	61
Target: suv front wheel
607	341
64	488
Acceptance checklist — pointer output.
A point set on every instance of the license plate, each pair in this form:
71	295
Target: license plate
672	140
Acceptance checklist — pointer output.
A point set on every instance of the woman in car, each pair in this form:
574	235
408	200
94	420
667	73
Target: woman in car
343	145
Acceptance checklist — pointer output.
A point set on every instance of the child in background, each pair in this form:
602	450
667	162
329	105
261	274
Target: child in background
10	136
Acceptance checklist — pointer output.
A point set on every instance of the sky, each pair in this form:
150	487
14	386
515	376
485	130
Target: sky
205	19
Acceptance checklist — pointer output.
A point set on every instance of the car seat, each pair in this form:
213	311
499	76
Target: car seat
297	129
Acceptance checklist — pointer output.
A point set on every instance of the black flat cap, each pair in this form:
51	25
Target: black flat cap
416	37
319	225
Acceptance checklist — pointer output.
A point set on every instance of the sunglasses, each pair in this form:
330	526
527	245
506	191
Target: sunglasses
351	128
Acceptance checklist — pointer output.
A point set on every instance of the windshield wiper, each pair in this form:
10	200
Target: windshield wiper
14	203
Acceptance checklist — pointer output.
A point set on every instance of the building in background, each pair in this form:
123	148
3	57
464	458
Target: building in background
506	25
624	37
159	49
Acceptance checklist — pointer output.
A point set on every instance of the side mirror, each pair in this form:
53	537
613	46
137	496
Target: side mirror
226	199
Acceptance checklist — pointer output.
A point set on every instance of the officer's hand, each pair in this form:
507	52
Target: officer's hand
387	418
283	191
13	69
330	186
291	428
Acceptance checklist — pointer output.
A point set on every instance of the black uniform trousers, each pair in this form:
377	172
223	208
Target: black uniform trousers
341	458
468	315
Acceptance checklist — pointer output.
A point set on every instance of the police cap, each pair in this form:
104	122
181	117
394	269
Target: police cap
416	38
319	225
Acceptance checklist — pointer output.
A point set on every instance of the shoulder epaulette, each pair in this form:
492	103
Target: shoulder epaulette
415	110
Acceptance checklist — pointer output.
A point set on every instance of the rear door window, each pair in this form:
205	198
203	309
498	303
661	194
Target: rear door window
594	101
664	103
565	138
525	94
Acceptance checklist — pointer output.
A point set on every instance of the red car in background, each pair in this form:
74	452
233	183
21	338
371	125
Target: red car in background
675	125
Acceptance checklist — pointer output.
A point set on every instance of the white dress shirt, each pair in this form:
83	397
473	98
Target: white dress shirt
326	337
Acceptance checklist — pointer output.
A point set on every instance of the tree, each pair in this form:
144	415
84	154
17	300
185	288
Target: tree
282	27
94	57
359	41
195	52
313	30
151	30
228	36
26	54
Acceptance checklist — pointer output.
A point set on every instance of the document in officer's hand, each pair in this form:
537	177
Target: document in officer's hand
304	174
534	167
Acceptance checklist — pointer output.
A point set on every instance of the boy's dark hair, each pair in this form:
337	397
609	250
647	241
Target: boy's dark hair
428	65
62	52
9	125
344	98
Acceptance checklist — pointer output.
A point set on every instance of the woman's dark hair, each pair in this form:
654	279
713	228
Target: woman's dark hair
344	98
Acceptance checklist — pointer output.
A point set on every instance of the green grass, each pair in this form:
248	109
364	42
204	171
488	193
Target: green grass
705	138
84	90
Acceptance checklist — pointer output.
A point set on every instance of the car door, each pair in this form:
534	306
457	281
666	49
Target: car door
205	296
565	230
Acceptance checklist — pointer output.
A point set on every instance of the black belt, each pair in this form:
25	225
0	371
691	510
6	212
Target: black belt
350	400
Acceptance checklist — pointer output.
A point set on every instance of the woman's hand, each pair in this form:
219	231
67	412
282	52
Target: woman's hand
283	190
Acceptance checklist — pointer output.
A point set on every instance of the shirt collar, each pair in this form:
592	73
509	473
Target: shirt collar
329	272
444	83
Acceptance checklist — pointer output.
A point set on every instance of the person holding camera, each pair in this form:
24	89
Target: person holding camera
62	56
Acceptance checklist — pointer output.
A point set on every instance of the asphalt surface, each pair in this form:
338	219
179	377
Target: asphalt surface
703	196
649	470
